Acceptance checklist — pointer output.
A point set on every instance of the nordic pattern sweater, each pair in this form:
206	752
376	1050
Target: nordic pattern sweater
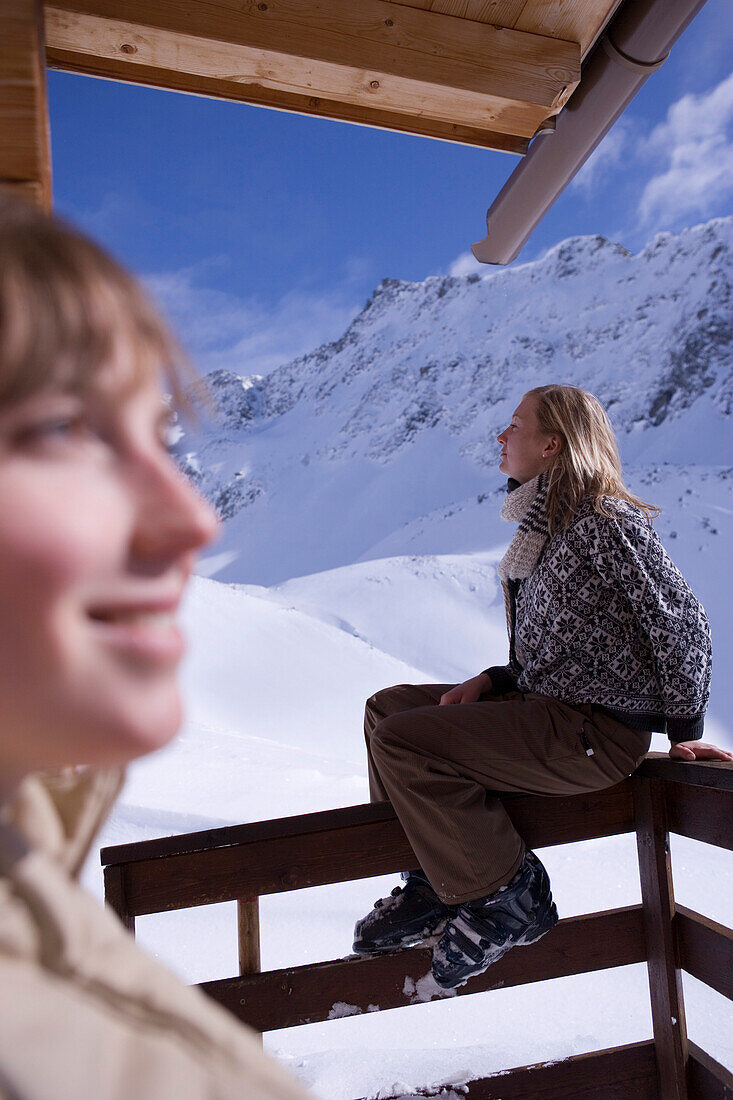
607	618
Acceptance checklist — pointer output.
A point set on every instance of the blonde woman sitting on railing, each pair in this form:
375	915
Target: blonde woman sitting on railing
606	645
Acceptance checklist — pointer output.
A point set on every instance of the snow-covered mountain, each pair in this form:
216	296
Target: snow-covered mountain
320	463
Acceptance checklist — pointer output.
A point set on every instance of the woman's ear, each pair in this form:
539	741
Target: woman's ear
552	447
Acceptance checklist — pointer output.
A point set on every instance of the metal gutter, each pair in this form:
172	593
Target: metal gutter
635	44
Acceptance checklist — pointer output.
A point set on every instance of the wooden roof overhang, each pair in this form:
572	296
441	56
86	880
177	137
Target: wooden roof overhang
475	71
489	73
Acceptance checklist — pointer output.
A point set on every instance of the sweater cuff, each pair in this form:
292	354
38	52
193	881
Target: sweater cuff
503	679
685	729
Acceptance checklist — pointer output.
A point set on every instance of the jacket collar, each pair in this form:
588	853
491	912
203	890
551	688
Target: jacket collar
59	813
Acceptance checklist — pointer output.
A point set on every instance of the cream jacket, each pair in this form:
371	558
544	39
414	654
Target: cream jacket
85	1014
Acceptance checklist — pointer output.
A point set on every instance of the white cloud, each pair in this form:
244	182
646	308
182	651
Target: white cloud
696	151
248	335
467	264
603	158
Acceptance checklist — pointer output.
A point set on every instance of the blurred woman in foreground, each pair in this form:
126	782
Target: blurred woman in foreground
98	535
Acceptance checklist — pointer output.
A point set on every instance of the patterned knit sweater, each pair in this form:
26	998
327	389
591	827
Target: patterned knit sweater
606	617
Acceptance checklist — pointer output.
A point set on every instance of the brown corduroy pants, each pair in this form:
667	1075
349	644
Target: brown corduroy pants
438	766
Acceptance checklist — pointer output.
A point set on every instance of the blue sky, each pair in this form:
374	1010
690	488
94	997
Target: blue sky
262	233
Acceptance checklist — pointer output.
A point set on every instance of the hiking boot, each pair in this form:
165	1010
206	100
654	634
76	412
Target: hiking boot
412	913
485	929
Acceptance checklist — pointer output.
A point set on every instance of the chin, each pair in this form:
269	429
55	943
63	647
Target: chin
125	732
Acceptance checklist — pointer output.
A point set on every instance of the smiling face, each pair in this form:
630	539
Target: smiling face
98	535
525	450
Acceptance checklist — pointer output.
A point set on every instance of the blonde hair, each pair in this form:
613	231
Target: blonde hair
588	464
67	309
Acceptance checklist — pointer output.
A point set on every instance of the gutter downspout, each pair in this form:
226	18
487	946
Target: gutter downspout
636	43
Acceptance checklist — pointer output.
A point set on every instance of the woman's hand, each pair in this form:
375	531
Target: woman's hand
696	750
467	692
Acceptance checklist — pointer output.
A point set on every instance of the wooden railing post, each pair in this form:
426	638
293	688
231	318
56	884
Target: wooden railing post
665	982
248	924
115	895
248	930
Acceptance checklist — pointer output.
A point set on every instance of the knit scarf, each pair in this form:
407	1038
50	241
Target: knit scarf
526	505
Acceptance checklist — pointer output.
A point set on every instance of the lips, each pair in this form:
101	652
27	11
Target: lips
145	634
133	615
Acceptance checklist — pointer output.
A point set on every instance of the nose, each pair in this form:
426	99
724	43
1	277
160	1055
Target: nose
172	518
501	437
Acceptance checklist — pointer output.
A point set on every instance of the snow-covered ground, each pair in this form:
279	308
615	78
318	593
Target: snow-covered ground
359	485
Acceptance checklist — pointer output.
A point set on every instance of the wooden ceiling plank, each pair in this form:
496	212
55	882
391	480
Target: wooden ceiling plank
502	13
283	101
578	20
425	5
25	158
374	38
96	37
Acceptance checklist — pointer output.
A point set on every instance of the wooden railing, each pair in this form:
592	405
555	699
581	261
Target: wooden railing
243	862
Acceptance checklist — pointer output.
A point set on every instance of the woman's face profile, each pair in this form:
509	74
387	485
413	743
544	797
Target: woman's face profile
98	534
525	450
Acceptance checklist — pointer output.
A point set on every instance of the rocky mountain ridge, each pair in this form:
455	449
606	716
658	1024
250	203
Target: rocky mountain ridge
399	416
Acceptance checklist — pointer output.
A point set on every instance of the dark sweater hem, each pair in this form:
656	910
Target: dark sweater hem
677	728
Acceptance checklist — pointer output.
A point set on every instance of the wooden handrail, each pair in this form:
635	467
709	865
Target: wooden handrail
317	849
713	774
717	774
562	818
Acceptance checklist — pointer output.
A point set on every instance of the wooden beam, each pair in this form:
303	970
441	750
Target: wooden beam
34	192
705	950
248	929
372	54
701	813
551	820
694	773
310	105
25	155
248	935
311	993
665	979
114	896
624	1073
707	1079
579	21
